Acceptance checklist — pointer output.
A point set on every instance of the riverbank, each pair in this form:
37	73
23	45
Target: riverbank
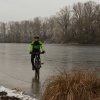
66	43
14	94
79	85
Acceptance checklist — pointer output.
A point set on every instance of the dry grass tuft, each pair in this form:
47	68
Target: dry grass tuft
72	86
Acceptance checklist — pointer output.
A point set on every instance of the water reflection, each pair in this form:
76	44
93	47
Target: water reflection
36	86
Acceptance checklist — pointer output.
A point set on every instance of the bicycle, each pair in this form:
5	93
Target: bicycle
37	63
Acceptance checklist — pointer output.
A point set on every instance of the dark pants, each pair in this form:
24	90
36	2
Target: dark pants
32	60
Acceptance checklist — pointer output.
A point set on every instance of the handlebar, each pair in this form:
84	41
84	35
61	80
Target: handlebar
38	52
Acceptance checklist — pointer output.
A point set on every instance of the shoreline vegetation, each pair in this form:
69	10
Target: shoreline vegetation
77	85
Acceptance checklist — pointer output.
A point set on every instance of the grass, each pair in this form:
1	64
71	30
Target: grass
80	85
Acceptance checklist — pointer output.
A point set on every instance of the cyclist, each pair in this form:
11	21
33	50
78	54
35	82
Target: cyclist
36	47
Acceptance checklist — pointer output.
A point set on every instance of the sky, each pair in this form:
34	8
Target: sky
17	10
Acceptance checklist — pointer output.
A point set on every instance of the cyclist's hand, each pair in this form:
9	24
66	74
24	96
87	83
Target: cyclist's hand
43	52
30	52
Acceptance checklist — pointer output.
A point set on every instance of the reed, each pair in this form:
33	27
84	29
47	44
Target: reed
80	85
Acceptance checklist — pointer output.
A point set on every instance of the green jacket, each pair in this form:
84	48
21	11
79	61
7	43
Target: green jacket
38	46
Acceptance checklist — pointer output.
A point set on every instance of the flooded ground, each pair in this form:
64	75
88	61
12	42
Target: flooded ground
15	64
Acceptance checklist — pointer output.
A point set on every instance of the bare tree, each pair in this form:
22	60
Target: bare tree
80	24
63	19
83	19
2	31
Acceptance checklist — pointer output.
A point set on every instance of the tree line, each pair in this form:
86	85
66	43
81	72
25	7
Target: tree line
77	24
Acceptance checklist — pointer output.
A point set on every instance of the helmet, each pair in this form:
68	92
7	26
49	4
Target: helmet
36	37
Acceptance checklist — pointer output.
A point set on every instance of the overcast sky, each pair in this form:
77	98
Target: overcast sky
16	10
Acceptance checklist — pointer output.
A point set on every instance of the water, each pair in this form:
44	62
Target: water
15	64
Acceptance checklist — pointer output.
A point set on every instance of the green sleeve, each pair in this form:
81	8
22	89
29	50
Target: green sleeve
42	47
31	47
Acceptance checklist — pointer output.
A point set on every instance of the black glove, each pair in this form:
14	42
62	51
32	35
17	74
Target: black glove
30	52
43	52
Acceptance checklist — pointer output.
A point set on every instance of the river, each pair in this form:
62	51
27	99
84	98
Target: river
15	64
